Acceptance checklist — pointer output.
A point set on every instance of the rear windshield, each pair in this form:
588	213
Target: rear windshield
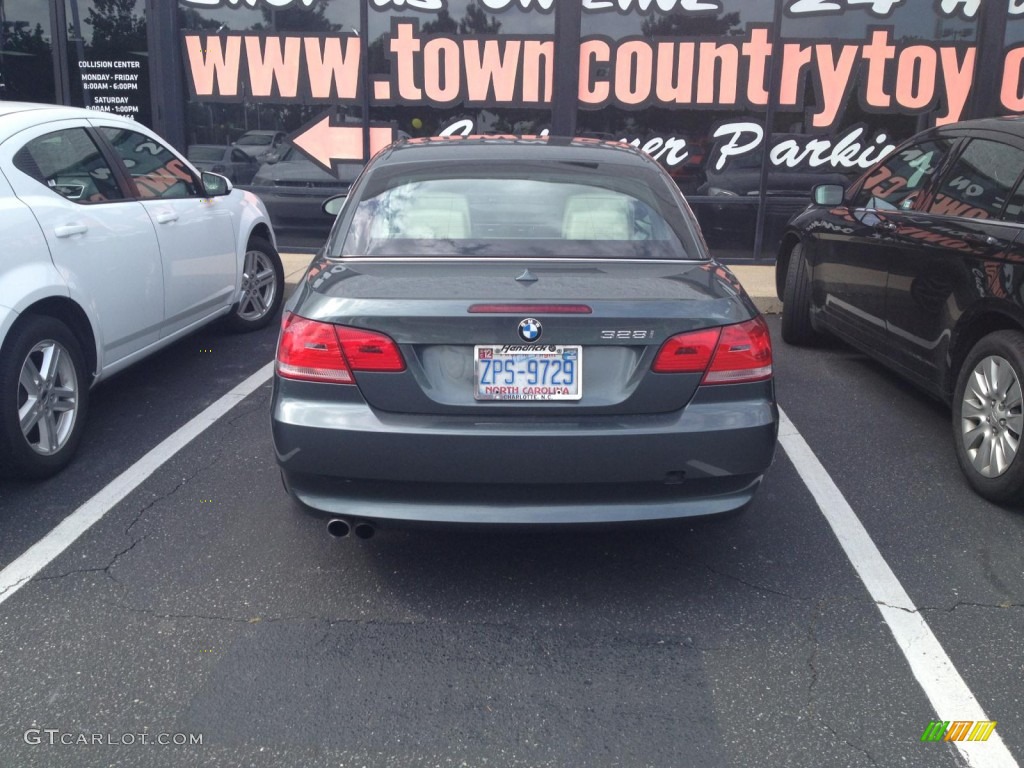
515	210
199	154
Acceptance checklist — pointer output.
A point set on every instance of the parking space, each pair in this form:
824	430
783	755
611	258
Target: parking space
890	449
128	416
204	603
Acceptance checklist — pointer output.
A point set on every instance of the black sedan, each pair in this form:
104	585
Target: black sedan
506	331
294	190
920	263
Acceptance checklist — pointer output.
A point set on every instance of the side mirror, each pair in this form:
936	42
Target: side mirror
828	194
334	204
216	185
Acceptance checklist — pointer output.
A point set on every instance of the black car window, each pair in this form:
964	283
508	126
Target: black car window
238	156
70	164
157	172
895	184
979	182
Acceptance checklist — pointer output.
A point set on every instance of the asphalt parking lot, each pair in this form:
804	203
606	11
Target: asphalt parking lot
203	605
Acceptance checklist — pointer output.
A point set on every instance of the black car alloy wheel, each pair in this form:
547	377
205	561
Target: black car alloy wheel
988	419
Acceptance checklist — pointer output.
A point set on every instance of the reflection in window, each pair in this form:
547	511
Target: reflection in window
980	181
892	90
511	211
70	164
26	53
448	115
212	122
894	185
1015	24
910	20
676	133
156	171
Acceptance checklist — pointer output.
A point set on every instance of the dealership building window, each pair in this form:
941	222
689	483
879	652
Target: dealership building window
26	51
747	103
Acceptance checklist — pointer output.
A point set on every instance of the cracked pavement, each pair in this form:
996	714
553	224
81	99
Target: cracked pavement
205	603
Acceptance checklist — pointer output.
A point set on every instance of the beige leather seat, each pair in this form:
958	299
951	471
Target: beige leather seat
433	217
597	217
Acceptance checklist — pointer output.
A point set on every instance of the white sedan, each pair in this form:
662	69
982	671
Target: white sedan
113	246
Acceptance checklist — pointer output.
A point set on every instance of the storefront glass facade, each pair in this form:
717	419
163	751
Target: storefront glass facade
747	103
26	51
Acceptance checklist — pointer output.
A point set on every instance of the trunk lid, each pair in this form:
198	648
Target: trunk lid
430	308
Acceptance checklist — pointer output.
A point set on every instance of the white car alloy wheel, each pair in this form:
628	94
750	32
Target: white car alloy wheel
47	397
991	419
44	395
259	286
262	288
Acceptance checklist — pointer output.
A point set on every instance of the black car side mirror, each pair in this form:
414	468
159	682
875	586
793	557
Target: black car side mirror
828	194
216	185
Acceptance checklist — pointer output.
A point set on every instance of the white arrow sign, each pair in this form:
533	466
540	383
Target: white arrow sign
327	144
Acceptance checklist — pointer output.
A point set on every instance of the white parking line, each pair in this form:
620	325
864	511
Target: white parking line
935	673
42	553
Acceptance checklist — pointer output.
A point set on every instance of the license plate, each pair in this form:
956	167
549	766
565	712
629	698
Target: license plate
528	372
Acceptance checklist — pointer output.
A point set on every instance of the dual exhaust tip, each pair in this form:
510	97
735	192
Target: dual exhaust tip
339	528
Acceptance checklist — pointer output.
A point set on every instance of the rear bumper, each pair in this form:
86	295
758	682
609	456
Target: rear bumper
346	458
500	504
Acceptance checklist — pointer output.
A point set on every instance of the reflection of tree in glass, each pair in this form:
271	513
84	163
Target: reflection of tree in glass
192	19
475	21
298	19
15	37
116	29
444	24
26	64
377	57
677	24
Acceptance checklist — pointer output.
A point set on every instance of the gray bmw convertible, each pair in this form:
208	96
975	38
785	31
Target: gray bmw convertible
508	330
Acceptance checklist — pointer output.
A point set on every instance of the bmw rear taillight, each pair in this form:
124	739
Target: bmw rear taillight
368	351
733	354
310	350
744	354
687	352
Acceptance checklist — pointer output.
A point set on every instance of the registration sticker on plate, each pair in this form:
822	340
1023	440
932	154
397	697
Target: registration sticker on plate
528	371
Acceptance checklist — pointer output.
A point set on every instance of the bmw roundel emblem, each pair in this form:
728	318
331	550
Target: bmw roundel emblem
530	329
